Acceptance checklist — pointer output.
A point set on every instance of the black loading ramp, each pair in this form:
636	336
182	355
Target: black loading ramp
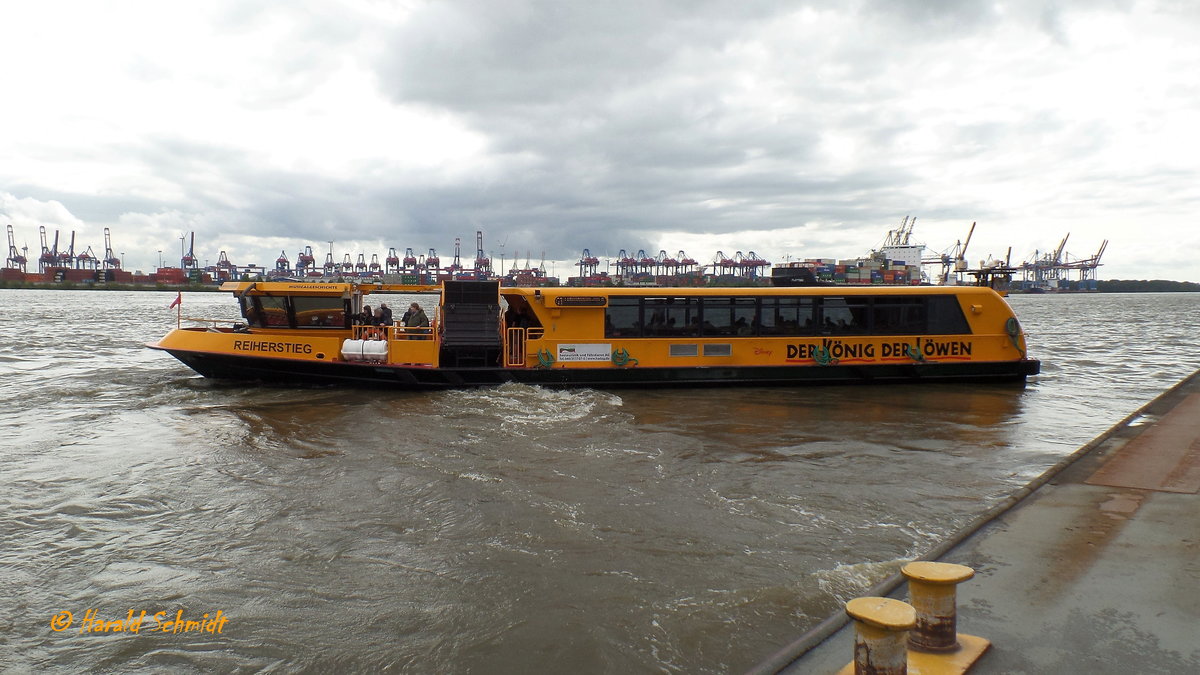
471	324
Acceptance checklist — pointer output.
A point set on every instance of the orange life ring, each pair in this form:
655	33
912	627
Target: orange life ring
373	334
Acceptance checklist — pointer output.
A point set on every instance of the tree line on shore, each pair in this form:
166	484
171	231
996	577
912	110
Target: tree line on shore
1144	286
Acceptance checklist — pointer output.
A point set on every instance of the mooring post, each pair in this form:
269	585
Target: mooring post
931	590
881	628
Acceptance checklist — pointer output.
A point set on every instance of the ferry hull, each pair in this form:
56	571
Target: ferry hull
290	371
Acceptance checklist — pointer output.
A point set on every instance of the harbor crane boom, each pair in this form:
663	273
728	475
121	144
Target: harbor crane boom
111	261
15	259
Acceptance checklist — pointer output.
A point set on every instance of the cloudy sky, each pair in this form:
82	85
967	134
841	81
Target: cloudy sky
792	129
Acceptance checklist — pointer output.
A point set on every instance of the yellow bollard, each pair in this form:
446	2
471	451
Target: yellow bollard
881	628
931	590
935	645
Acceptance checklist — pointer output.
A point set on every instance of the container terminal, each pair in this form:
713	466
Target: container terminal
899	261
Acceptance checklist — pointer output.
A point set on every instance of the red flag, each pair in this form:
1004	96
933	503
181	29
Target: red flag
178	300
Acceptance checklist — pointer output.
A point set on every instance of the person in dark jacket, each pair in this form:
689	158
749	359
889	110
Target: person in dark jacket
415	318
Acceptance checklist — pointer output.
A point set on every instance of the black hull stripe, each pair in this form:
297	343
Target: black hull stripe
286	371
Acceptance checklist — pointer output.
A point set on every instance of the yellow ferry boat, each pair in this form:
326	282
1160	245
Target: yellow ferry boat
483	334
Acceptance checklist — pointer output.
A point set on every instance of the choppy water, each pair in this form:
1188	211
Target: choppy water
507	530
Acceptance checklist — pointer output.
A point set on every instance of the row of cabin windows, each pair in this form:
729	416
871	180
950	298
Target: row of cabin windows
295	312
783	316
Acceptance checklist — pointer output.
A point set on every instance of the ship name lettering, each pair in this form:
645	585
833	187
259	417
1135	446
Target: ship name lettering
274	347
836	349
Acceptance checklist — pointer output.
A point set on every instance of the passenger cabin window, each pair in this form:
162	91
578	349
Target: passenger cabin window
788	316
783	316
946	316
622	317
320	312
844	316
728	316
295	312
671	317
266	311
895	315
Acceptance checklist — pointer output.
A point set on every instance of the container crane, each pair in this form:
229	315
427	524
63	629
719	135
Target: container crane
410	260
374	267
644	264
306	262
87	260
347	265
456	266
188	261
392	262
483	264
15	260
282	265
955	260
754	264
724	264
432	262
111	261
67	258
330	267
226	270
686	263
901	235
49	256
1087	269
587	263
666	263
625	264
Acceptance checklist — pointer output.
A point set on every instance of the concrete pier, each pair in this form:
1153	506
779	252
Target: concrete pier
1096	569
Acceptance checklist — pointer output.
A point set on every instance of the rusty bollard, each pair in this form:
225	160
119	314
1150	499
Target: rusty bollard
881	627
931	590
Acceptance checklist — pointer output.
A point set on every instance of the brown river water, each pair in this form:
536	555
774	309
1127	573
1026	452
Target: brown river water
503	530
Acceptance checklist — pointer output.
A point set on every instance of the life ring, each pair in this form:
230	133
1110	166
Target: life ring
372	334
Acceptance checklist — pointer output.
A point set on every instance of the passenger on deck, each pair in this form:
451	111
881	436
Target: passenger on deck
387	314
520	317
366	317
415	318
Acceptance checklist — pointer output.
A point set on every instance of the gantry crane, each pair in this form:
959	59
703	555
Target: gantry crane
49	256
15	259
111	261
306	262
188	261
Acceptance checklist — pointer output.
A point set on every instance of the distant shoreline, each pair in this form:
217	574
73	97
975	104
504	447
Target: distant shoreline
70	286
1103	286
